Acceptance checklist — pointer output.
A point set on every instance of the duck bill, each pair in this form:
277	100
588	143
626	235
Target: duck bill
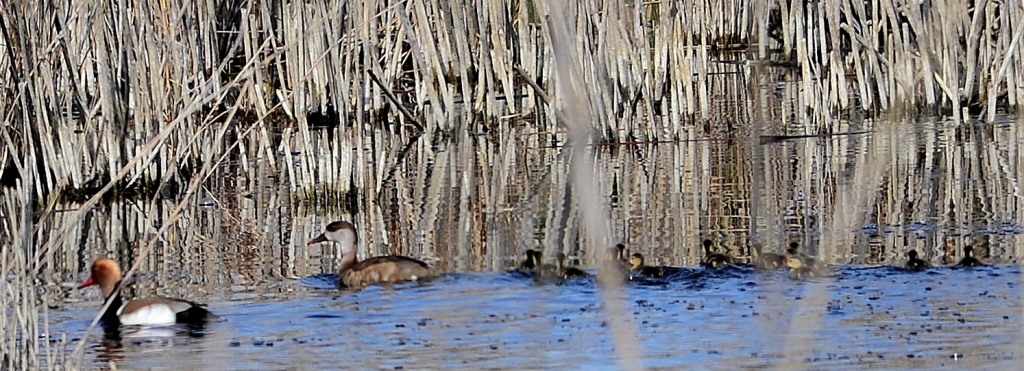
88	282
318	239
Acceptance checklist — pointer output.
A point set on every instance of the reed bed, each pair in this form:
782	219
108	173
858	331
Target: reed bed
151	99
92	84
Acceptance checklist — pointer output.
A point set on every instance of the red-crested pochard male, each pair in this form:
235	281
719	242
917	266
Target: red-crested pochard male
145	311
356	274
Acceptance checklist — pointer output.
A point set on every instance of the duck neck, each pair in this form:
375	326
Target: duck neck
348	259
109	317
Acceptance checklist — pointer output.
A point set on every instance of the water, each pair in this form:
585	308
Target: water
470	208
858	316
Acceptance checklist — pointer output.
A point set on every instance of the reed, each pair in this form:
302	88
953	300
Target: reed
150	98
94	84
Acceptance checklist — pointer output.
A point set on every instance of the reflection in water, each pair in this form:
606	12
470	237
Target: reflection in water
474	204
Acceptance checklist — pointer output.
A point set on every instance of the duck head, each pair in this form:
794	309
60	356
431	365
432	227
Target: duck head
106	273
341	232
912	254
968	251
707	246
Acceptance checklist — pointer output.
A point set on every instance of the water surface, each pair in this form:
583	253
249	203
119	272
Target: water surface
471	205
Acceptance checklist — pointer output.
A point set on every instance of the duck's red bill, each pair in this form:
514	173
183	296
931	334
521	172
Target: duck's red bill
88	282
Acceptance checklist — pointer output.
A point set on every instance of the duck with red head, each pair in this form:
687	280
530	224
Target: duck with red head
356	274
150	311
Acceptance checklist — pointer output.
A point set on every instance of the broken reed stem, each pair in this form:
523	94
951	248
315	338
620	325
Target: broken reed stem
394	100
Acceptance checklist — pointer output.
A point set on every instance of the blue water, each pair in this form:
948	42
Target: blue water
856	317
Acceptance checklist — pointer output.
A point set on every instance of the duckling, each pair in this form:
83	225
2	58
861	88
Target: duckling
527	265
565	272
769	260
969	260
638	268
806	260
798	270
713	259
545	273
914	263
616	262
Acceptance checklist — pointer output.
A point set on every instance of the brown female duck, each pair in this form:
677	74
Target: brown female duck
144	311
714	259
356	274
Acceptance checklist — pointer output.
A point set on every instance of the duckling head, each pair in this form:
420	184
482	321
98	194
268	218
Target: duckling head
968	251
636	260
707	246
537	258
912	254
560	260
529	262
793	248
794	262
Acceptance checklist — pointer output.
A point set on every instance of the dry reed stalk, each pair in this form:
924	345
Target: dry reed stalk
574	103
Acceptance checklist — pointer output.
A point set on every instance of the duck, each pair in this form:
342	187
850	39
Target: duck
806	260
969	260
616	262
543	272
713	259
566	272
770	261
638	268
798	269
150	311
914	263
527	265
355	274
